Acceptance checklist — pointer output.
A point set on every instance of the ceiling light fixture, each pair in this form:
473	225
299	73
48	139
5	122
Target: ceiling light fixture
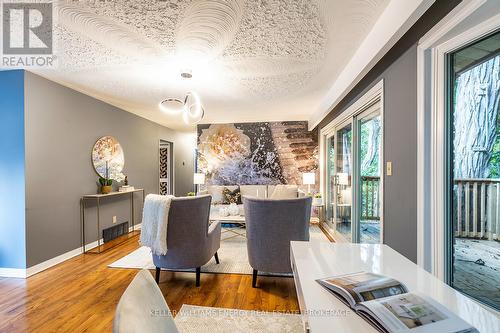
172	105
191	108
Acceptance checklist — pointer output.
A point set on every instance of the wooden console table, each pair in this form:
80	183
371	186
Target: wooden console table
97	198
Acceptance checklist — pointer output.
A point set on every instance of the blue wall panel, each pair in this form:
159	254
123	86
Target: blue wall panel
12	167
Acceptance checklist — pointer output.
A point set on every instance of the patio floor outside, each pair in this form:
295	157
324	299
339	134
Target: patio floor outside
476	265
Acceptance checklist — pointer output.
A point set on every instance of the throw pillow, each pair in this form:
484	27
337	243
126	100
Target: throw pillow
231	196
285	192
216	193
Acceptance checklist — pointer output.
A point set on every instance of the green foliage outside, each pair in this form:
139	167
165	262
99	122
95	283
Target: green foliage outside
370	167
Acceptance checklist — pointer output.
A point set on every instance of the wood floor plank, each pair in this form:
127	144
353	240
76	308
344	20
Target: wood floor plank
80	294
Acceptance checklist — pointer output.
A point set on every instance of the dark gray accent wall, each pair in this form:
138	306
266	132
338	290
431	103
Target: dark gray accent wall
400	147
61	127
398	68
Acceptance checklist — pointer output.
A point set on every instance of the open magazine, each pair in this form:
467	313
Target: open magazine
390	307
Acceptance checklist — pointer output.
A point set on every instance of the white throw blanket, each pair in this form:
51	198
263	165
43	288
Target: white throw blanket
155	223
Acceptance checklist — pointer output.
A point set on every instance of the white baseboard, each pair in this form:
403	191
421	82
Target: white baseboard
54	261
13	272
24	273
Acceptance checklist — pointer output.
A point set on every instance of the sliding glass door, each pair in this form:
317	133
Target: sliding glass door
330	183
343	186
369	146
473	233
352	177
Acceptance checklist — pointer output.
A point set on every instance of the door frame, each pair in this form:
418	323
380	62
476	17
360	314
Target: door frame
171	164
339	126
327	138
370	97
365	115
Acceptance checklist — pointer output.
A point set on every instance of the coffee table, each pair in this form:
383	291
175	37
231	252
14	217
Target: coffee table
233	219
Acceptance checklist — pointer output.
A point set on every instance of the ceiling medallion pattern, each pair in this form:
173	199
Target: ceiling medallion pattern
279	53
106	31
207	27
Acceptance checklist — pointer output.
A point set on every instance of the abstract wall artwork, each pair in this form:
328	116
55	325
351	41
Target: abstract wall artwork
108	152
257	153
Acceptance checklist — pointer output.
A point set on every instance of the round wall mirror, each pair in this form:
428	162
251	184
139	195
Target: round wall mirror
108	154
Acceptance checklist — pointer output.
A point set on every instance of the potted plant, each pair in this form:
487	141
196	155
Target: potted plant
106	182
106	185
191	194
317	200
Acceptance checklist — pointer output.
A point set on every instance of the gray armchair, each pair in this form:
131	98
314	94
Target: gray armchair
191	241
271	225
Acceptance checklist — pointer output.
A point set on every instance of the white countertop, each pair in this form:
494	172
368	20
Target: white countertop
314	260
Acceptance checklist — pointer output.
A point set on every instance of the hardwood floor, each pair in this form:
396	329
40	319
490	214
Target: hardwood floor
80	295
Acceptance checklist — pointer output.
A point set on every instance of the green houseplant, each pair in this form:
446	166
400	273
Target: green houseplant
106	185
106	182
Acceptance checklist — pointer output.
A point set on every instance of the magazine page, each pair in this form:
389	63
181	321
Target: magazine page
416	313
364	286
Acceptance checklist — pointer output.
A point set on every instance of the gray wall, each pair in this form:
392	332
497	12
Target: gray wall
400	147
61	127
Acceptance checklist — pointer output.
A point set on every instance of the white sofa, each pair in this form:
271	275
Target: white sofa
258	191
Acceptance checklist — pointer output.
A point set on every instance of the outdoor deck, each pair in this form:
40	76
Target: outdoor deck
476	266
477	269
370	231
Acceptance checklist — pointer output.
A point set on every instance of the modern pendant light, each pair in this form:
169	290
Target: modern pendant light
191	108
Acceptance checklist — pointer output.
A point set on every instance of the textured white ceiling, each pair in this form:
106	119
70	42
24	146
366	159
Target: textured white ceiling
252	60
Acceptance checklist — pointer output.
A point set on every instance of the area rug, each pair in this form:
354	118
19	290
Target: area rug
232	254
198	319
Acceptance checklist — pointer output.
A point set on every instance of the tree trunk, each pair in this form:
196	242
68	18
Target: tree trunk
475	119
372	148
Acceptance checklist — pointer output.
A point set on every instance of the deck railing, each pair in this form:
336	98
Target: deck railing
477	207
370	198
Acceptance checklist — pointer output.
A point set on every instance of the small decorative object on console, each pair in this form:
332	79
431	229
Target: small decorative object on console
126	188
317	200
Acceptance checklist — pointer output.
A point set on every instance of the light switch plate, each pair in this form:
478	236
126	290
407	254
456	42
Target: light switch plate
389	169
114	219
